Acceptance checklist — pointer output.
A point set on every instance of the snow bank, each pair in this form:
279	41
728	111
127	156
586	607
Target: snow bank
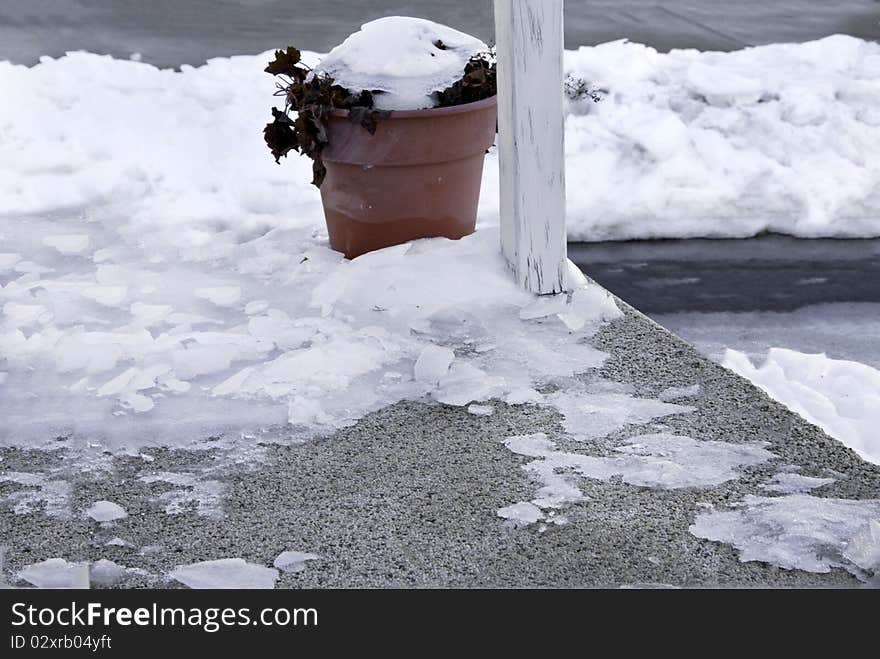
781	138
407	59
841	397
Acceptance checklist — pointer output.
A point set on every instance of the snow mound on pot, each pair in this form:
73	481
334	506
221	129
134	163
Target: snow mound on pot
408	59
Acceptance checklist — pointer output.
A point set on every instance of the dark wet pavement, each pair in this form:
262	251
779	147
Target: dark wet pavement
770	273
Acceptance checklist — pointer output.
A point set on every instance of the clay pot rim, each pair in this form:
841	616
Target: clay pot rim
434	112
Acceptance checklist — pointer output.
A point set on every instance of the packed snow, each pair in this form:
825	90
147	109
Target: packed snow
226	573
841	397
407	59
800	532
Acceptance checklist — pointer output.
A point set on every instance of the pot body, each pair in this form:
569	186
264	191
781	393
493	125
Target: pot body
418	176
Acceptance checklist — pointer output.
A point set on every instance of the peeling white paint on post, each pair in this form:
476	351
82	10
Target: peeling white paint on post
531	127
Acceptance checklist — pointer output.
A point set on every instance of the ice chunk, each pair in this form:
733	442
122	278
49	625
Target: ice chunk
675	393
68	244
106	511
591	414
788	483
533	446
225	573
864	548
234	383
433	363
293	561
522	513
544	305
589	304
671	461
481	410
465	383
106	573
408	59
199	360
56	573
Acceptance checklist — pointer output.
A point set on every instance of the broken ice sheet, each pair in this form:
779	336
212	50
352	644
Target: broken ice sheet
591	413
660	460
799	532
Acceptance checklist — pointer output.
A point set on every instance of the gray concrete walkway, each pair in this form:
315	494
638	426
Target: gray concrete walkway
408	497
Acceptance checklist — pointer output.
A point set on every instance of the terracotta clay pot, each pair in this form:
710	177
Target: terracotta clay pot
418	176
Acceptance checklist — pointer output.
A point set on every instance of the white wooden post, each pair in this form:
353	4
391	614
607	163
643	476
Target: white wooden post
529	36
